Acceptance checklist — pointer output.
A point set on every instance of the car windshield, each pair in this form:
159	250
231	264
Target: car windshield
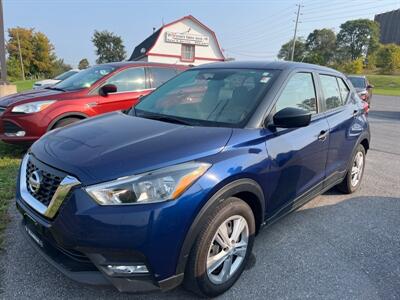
85	78
357	82
208	97
65	75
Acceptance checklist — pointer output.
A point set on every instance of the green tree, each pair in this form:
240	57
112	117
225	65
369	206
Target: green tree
44	57
357	38
83	64
25	37
321	47
353	66
388	58
109	47
285	52
36	50
59	66
13	69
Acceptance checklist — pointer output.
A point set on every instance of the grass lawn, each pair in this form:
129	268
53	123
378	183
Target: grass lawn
385	84
10	157
24	85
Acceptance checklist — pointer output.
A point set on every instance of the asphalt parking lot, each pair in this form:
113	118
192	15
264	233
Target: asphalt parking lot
336	247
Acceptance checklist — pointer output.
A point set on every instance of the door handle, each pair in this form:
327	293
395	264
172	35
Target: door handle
355	113
323	135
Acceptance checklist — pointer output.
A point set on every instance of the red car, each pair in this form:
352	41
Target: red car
25	117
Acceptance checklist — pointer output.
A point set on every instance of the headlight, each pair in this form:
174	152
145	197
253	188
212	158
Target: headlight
160	185
32	107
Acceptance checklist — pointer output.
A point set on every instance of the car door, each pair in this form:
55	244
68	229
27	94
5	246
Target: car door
131	85
297	155
342	113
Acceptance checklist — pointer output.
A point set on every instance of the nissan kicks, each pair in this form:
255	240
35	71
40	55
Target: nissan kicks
175	190
26	116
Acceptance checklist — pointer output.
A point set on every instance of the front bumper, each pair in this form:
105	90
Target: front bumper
87	268
22	129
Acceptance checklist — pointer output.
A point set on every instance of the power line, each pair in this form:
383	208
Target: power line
334	17
257	24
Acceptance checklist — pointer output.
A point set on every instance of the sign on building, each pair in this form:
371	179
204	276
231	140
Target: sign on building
186	38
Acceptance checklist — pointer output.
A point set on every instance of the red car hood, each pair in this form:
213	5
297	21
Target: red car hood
42	94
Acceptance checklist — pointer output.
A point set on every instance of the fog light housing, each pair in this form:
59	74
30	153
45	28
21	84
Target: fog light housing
18	133
127	270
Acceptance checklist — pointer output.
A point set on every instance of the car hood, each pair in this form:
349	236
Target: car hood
28	95
117	145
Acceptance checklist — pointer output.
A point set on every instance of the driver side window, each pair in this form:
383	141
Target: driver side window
299	92
128	80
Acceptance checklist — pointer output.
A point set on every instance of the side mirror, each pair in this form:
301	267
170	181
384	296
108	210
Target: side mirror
291	117
370	86
107	89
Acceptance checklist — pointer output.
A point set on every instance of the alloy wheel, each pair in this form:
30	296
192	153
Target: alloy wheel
228	249
357	169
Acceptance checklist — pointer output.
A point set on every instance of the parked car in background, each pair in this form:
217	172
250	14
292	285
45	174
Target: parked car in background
26	116
177	189
362	86
49	82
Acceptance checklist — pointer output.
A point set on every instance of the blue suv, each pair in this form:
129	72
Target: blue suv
175	190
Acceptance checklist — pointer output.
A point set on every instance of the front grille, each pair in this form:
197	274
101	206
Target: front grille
10	127
48	185
44	188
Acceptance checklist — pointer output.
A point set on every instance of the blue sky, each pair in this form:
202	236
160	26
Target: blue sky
246	30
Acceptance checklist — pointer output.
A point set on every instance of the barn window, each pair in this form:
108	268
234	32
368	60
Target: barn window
187	52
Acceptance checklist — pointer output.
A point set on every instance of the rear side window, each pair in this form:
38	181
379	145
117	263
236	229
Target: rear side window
128	80
331	92
344	90
299	93
161	75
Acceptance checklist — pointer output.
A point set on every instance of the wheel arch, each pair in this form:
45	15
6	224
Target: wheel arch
66	115
246	189
365	143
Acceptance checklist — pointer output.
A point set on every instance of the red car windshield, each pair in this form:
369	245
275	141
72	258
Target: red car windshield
85	78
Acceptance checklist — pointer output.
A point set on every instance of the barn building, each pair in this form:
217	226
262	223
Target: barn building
186	41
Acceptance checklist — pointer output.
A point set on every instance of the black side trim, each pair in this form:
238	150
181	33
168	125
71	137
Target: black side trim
235	187
315	191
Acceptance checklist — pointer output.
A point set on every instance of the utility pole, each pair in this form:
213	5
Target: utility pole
20	56
295	30
3	65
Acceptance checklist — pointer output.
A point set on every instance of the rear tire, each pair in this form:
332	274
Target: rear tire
65	122
222	249
354	175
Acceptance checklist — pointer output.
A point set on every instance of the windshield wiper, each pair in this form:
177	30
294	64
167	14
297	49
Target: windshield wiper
166	119
55	88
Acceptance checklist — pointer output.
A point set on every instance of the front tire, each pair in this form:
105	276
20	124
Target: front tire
222	249
354	175
64	122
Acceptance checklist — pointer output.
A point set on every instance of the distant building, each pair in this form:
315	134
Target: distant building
390	26
185	41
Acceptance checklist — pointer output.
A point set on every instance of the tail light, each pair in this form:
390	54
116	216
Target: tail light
365	107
